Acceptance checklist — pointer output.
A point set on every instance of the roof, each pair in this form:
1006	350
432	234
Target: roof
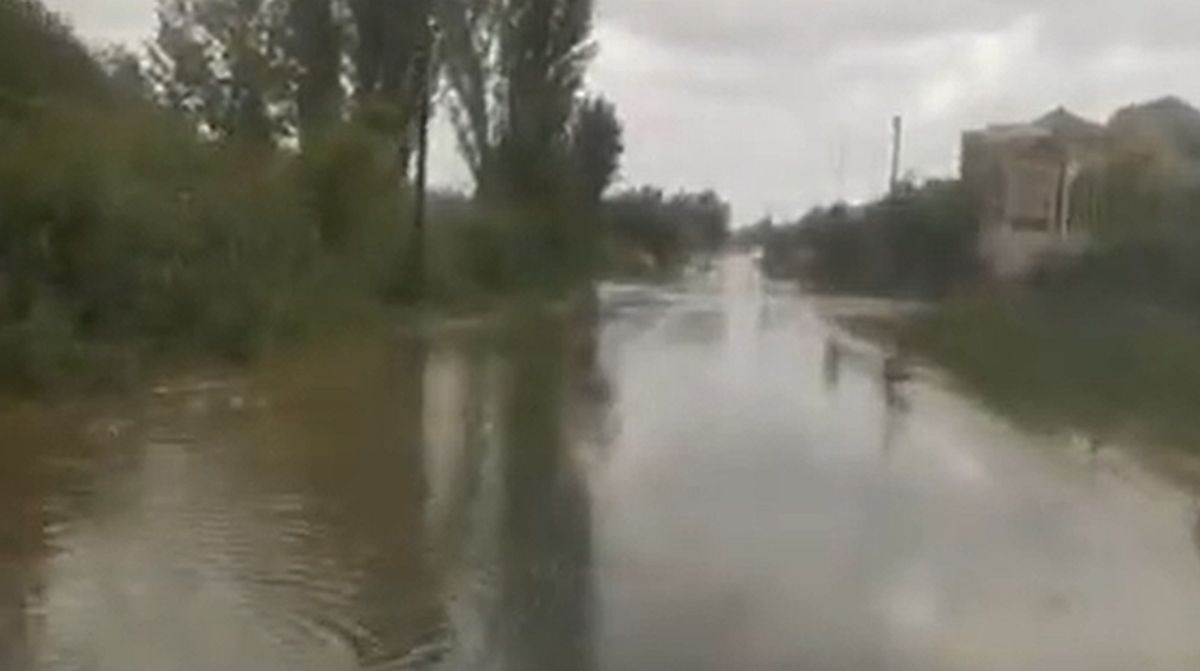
1012	131
1064	123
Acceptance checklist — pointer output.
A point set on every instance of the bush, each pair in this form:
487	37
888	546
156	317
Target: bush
921	242
1119	369
476	252
668	229
42	350
125	229
139	224
1157	267
352	189
144	233
39	57
148	237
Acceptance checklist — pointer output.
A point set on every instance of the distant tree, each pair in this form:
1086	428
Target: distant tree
597	143
756	234
515	70
921	241
705	217
668	228
225	64
638	218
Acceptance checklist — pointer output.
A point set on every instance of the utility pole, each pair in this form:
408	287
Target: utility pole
897	134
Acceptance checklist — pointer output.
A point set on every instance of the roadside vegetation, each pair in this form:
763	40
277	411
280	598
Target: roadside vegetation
918	242
249	179
652	233
1107	343
1118	371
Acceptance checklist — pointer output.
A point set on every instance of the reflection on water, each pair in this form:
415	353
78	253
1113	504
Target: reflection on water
508	507
414	505
833	363
1196	530
710	478
896	402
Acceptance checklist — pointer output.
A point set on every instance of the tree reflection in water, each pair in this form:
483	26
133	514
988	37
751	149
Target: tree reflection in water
417	503
509	507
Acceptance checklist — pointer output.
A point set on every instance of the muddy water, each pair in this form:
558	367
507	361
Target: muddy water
710	477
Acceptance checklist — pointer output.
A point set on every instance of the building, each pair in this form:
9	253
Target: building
1024	182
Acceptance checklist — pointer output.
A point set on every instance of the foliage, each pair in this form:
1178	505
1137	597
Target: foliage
314	42
1104	341
1145	243
389	37
1157	266
1169	127
122	232
514	70
224	63
159	206
668	228
39	57
540	153
274	69
388	54
128	81
476	251
596	147
347	181
1119	369
921	241
141	231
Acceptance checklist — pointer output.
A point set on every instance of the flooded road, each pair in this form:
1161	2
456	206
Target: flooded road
711	477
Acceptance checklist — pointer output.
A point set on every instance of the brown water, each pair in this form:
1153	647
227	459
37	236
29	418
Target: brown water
699	481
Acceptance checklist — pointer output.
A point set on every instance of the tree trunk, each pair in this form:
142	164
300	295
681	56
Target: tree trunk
319	56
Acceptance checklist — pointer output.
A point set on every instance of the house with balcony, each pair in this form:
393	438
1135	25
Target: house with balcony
1024	182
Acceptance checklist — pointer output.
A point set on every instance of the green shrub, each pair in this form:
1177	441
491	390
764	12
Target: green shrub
39	57
921	241
473	252
149	234
1059	360
42	350
351	187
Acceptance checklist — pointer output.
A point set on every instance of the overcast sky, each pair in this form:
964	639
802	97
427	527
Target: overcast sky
784	104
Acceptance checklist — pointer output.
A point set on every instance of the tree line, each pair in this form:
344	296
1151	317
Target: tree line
248	178
919	242
510	72
657	232
1142	200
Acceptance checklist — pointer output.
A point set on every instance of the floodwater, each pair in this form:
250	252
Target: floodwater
709	477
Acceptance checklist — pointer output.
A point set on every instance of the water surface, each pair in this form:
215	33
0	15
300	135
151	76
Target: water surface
709	477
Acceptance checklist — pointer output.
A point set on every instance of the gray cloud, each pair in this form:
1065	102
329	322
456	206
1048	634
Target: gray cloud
764	99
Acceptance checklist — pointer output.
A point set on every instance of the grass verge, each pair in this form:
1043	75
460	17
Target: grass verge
1119	371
